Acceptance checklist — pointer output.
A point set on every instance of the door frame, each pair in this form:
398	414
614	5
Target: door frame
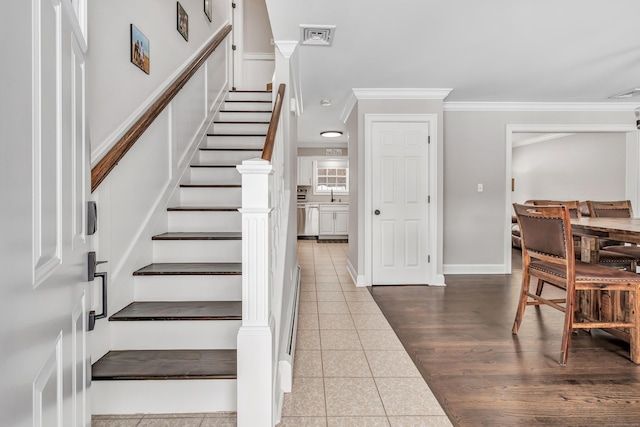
632	189
436	278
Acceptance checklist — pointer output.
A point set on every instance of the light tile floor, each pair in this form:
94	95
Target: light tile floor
350	369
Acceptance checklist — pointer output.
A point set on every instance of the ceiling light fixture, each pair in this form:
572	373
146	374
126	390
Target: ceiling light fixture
325	102
628	94
331	133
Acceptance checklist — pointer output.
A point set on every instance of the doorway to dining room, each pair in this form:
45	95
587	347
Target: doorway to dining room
566	172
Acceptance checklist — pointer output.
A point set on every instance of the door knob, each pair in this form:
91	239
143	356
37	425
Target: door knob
377	212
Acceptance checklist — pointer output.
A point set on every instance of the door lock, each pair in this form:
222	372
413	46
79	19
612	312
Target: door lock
377	212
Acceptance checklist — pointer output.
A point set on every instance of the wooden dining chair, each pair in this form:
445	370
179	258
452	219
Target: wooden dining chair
613	259
614	209
548	254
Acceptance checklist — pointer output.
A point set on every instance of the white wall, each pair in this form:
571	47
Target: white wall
256	45
356	166
118	90
132	200
475	152
558	169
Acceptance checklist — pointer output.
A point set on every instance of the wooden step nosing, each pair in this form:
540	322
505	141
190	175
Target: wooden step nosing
229	149
203	208
244	135
247	111
211	185
127	318
199	165
235	122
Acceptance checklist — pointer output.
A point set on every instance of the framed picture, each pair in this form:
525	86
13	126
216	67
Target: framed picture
139	49
183	22
208	8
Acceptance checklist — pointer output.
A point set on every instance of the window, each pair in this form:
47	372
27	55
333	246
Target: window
331	175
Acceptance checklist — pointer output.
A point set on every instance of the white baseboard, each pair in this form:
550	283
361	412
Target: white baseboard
474	269
358	280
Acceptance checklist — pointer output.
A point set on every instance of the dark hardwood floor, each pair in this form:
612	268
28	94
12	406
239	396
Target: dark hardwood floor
460	338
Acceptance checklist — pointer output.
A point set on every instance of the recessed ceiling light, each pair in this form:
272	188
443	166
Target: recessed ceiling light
331	133
628	94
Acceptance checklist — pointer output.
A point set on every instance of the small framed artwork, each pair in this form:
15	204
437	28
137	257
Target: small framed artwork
183	22
208	8
139	49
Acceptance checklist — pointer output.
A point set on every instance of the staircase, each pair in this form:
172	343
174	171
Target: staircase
173	348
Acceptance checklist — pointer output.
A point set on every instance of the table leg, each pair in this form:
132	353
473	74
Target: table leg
589	249
634	339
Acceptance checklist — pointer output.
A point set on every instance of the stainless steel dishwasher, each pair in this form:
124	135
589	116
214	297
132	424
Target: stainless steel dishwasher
308	219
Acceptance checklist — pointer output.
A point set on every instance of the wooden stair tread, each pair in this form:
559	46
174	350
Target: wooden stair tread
247	111
199	235
244	135
211	185
249	91
241	122
206	165
190	268
204	208
180	310
230	149
165	365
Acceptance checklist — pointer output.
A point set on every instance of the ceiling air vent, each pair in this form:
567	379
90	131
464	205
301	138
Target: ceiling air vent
317	35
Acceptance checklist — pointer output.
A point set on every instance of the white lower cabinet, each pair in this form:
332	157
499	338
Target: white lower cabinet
334	220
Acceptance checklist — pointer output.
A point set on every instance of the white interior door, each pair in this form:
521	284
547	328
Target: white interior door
45	181
400	190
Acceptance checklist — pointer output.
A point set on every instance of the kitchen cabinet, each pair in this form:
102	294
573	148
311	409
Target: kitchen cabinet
305	170
334	220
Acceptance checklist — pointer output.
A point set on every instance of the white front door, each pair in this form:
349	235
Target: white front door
400	190
45	181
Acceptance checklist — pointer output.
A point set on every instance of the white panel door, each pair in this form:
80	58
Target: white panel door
400	183
45	188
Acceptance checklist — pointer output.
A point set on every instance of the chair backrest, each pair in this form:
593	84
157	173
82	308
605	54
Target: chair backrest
572	205
546	233
613	209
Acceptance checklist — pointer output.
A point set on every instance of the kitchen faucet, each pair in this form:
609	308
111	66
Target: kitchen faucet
332	199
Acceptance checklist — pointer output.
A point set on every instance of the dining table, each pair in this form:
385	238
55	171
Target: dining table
607	306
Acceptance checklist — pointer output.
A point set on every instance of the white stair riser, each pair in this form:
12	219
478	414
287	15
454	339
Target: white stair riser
215	176
188	288
174	334
249	96
228	157
247	106
240	128
205	221
245	116
197	251
196	196
214	141
163	397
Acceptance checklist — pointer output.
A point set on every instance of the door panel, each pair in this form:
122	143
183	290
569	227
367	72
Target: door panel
44	177
400	156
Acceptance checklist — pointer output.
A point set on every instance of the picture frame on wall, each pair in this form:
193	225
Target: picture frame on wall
140	56
208	9
183	22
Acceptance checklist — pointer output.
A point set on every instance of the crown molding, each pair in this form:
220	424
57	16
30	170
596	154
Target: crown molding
401	93
349	106
540	106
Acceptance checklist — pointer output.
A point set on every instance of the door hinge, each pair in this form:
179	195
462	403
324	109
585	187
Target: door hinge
428	199
233	5
428	258
429	139
233	47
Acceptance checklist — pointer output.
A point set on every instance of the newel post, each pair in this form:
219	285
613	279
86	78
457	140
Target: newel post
255	337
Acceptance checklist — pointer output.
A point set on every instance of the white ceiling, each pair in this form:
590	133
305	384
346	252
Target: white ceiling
486	51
